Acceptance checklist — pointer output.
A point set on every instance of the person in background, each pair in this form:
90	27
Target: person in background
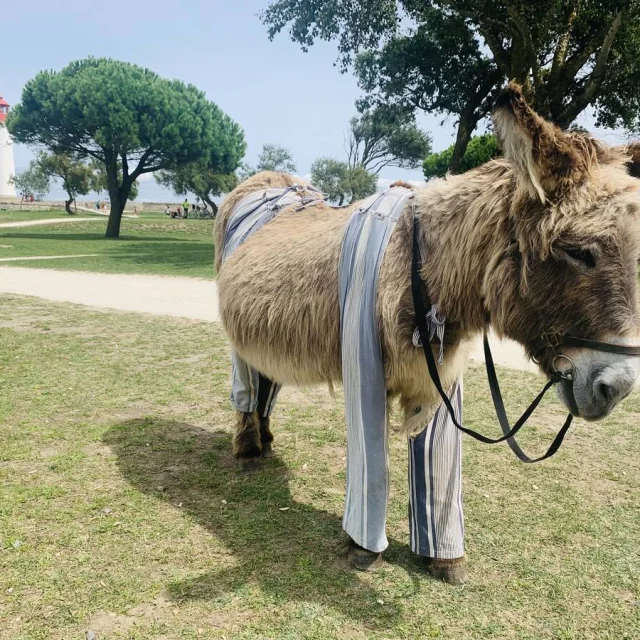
185	207
167	210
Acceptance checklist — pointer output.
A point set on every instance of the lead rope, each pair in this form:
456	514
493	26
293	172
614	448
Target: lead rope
508	431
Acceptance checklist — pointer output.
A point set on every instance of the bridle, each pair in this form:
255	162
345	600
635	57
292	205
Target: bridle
552	341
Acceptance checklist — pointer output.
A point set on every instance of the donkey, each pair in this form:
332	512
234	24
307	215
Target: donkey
542	239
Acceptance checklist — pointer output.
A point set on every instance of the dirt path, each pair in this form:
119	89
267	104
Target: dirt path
33	223
160	295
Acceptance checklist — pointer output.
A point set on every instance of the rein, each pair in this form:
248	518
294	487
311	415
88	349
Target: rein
552	340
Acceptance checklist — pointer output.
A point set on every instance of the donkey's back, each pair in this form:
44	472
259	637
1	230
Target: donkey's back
278	290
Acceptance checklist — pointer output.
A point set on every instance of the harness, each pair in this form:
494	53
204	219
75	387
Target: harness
260	207
552	340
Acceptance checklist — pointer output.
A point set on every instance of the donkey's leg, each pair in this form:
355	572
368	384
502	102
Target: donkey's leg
436	522
365	510
267	396
244	397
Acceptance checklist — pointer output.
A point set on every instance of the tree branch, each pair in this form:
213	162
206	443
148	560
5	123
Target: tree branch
530	57
580	58
140	169
582	99
500	54
560	54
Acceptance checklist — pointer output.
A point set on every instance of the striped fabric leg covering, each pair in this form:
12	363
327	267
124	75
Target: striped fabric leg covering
436	522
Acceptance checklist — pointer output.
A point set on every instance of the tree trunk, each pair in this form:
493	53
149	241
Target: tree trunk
465	128
115	216
205	198
67	205
118	195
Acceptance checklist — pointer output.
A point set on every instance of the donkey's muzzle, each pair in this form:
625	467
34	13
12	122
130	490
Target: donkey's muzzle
598	384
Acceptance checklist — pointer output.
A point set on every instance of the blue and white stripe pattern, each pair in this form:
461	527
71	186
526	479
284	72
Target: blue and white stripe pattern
249	215
365	240
436	504
436	521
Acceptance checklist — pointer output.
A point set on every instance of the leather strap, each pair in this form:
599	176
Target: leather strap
607	347
508	431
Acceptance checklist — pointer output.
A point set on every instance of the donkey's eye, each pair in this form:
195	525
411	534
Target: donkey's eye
584	256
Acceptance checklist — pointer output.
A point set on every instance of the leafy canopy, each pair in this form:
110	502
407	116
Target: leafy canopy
116	112
452	56
481	149
386	135
198	178
32	182
340	182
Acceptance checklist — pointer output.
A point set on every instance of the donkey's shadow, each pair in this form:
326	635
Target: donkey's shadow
293	551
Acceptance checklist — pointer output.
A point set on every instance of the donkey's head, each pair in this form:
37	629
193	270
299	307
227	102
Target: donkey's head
571	266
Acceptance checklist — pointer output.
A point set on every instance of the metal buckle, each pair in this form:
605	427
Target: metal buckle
567	375
552	339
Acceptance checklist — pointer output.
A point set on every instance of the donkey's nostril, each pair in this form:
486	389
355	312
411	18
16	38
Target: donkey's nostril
605	391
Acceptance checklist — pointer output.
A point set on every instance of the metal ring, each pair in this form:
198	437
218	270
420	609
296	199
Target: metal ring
568	375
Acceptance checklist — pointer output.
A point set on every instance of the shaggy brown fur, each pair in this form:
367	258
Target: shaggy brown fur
495	241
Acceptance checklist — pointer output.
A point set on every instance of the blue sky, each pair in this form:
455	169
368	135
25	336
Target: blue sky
273	90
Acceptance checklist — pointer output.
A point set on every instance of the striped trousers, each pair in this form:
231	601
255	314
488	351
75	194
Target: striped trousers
435	483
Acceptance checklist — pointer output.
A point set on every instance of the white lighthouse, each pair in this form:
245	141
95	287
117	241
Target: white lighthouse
7	164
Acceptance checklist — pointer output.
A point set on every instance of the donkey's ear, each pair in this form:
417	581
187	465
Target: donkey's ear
545	158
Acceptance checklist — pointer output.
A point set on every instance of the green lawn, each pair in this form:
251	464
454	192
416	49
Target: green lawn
13	215
122	511
151	244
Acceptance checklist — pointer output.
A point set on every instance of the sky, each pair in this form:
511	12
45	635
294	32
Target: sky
275	91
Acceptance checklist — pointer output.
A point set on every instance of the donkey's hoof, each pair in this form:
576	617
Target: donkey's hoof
267	450
249	465
452	571
362	558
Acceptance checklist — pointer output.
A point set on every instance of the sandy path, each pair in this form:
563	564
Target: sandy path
33	223
160	295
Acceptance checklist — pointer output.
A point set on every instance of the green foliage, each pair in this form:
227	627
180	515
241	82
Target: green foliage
452	57
116	112
273	157
76	176
341	182
386	135
99	182
360	183
330	176
480	150
200	179
32	182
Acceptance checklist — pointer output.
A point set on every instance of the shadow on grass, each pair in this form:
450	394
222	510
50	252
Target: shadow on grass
294	555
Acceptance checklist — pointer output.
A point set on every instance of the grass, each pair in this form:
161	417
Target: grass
14	215
147	245
122	511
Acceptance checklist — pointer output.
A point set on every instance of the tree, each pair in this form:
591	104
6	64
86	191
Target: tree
76	176
360	183
330	176
480	150
123	115
340	182
99	182
386	136
452	56
32	182
273	157
200	179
